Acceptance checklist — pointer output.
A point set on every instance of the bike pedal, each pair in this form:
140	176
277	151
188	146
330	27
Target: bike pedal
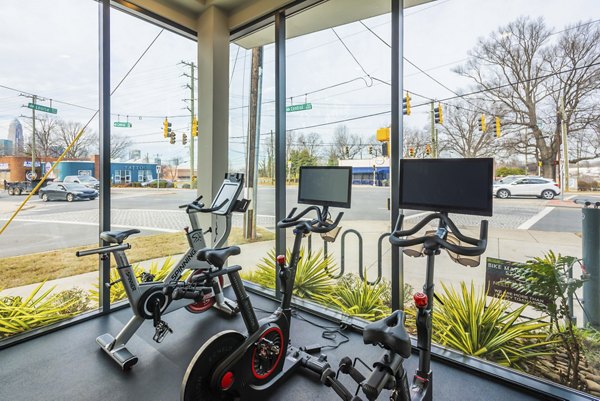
162	329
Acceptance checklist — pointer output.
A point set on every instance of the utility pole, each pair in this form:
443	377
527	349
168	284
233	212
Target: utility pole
192	113
252	144
563	129
34	99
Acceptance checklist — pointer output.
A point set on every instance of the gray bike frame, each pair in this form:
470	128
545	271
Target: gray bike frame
135	289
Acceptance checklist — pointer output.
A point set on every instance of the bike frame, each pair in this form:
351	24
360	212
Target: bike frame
136	290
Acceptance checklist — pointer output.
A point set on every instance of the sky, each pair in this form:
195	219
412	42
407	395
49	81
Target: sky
52	52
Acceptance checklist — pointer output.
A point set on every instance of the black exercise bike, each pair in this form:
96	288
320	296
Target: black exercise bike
234	366
388	372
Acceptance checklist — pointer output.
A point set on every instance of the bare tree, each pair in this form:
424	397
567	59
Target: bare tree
526	74
119	145
310	142
460	133
345	145
45	137
171	169
68	131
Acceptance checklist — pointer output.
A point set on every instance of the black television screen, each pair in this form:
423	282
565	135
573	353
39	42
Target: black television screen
447	185
325	186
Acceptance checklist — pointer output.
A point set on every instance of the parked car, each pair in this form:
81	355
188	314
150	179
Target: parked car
527	186
67	191
86	180
162	183
508	179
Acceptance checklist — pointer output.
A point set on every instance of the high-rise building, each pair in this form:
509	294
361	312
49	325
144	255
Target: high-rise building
6	147
15	134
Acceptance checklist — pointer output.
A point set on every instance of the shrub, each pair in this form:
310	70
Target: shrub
78	298
464	322
185	186
548	278
117	291
356	297
504	171
18	315
312	274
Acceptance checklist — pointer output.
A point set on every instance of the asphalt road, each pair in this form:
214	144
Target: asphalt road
44	226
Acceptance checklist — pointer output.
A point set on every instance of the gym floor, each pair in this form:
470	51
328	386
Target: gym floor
68	364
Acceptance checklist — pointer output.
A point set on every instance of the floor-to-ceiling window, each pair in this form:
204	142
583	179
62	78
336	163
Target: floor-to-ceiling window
48	130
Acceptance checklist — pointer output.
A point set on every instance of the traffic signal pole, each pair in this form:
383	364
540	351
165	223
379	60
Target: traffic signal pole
433	136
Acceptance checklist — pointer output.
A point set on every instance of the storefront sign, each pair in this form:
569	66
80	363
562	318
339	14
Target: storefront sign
497	282
28	163
4	166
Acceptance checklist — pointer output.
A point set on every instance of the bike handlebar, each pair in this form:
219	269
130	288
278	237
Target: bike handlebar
479	244
199	207
316	225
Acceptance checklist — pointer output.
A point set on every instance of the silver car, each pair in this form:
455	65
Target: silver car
527	186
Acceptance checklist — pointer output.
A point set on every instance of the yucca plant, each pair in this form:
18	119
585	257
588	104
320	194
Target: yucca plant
18	315
117	291
356	297
312	274
463	321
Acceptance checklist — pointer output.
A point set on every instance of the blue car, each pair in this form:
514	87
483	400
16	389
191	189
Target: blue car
67	191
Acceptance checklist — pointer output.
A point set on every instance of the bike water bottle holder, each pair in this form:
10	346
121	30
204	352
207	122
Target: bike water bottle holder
241	205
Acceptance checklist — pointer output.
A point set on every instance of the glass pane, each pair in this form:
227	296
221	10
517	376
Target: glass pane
484	79
49	87
338	88
151	141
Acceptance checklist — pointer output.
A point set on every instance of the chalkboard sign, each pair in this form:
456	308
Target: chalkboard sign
497	279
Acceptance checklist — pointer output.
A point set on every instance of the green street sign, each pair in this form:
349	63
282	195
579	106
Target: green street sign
299	107
122	124
43	108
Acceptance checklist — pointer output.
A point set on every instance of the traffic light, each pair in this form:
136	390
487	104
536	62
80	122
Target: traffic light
482	126
497	127
384	149
195	127
166	128
438	116
184	138
172	135
370	149
406	105
427	149
347	151
411	151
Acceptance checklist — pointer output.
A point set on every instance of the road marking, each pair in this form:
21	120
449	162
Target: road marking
414	216
529	223
81	223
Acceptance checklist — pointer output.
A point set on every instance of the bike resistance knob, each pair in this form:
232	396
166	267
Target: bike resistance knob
420	300
281	260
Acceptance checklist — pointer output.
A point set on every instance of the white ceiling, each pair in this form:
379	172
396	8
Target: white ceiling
327	14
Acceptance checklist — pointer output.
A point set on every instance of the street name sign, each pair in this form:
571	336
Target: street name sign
299	107
40	107
122	124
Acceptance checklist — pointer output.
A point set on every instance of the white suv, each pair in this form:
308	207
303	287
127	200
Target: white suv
86	180
527	186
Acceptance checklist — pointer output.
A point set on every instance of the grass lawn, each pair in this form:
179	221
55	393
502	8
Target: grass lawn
34	268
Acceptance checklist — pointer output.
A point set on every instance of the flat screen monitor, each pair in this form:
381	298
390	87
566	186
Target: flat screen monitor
325	186
447	185
228	192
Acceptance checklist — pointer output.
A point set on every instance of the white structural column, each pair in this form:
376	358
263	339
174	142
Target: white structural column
213	104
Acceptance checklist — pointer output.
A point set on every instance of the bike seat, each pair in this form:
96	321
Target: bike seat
390	333
218	257
117	237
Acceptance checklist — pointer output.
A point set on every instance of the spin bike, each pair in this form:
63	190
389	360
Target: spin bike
200	291
389	333
234	366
